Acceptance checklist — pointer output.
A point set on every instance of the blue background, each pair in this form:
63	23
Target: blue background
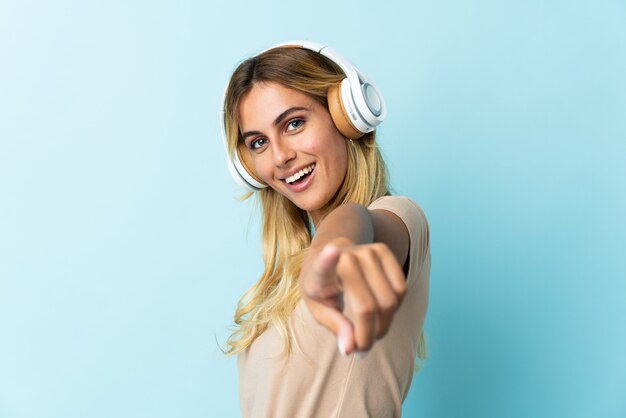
123	248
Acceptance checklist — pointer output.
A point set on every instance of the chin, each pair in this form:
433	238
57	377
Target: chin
306	206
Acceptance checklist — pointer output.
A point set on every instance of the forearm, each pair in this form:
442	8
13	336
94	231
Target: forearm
350	221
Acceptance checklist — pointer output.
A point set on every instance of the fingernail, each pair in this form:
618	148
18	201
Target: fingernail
361	354
342	348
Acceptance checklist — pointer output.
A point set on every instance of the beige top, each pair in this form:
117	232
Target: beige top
315	380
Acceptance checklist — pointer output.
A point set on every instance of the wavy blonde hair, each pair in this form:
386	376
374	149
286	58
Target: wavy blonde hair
287	229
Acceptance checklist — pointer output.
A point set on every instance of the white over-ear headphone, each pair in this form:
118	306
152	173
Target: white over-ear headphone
356	107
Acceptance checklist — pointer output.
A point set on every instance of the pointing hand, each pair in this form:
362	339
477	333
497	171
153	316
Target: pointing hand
367	278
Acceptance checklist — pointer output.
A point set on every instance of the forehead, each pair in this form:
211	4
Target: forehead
267	100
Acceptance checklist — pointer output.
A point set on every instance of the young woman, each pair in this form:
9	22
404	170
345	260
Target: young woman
333	326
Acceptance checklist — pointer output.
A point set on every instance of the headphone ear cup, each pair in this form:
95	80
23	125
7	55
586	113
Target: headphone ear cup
246	161
339	115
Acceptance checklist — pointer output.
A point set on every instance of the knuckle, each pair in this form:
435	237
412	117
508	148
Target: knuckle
363	252
348	258
401	289
370	251
389	307
365	311
381	246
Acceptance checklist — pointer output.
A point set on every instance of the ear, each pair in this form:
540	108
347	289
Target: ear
246	161
339	115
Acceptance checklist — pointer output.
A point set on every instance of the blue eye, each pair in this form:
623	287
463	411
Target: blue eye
257	143
295	124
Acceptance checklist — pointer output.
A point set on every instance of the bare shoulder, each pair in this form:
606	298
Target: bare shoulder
397	220
391	230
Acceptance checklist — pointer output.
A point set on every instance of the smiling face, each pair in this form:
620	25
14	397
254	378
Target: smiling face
294	145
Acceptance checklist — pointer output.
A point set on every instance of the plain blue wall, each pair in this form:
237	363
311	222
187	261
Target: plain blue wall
123	249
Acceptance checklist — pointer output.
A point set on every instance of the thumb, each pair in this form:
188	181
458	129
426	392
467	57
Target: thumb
325	264
321	283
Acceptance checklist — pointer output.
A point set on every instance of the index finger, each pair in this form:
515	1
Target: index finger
336	322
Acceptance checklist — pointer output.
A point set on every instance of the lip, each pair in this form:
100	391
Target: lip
305	183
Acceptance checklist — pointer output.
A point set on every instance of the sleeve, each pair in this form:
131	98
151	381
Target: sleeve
417	225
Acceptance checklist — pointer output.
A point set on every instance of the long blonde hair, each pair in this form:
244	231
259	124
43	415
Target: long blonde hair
287	229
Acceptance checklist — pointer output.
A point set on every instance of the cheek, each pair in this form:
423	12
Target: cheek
343	162
326	143
262	169
310	145
341	155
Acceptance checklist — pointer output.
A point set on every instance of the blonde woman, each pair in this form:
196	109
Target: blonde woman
334	324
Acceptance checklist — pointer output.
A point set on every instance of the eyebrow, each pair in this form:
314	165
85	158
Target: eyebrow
277	121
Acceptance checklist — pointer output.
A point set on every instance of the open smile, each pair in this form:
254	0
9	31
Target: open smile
300	180
300	174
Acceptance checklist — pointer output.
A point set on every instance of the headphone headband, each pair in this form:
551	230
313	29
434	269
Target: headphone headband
356	107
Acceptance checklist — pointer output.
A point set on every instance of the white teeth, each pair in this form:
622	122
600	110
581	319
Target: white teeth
300	173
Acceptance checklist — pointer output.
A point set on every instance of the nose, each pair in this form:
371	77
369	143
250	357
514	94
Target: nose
282	153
